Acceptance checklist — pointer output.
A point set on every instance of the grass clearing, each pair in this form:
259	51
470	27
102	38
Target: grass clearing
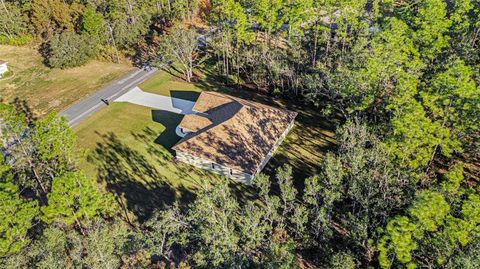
51	90
129	152
304	147
130	146
170	83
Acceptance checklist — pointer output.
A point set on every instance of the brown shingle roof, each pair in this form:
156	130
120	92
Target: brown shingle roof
242	132
194	122
209	101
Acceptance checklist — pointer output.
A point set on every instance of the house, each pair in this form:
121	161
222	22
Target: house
232	136
3	67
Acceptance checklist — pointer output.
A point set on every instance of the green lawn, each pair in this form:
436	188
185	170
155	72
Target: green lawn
129	151
130	146
41	89
171	84
303	148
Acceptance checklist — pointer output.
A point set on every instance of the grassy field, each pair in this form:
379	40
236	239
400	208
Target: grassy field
303	148
171	84
130	146
129	152
44	89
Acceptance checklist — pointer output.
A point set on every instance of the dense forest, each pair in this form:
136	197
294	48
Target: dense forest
400	190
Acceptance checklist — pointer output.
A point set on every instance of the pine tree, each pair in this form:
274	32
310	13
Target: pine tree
16	218
75	198
93	24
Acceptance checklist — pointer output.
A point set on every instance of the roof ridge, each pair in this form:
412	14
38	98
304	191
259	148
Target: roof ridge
207	128
242	134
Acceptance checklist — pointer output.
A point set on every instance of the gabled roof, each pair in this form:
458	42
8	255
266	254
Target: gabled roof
210	100
241	132
3	62
194	122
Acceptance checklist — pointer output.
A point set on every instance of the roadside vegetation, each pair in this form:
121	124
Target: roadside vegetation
380	171
46	90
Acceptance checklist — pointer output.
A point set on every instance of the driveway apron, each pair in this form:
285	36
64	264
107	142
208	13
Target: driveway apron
156	101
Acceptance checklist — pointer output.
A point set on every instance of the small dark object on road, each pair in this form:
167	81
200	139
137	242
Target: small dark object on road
105	101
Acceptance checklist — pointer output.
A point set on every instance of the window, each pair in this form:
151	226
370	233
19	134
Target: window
213	166
231	172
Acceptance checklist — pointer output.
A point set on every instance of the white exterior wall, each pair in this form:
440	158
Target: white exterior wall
3	69
217	168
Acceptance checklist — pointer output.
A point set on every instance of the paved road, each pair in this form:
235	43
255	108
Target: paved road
86	107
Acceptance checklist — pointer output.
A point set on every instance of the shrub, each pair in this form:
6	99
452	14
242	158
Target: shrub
69	50
342	260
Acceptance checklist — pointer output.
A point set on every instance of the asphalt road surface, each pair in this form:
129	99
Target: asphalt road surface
88	106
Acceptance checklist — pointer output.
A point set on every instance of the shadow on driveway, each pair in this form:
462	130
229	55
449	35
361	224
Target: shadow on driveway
185	95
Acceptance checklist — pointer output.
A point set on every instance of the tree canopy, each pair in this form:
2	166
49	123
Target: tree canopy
400	80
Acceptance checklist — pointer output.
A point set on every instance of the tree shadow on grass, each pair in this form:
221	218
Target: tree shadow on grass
243	192
147	136
23	107
173	71
214	83
312	137
303	149
139	186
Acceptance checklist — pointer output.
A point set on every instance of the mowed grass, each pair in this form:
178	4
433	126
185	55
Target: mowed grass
305	146
130	146
129	150
169	83
45	89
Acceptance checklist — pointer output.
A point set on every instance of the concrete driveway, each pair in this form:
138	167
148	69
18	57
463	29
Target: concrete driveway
156	101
